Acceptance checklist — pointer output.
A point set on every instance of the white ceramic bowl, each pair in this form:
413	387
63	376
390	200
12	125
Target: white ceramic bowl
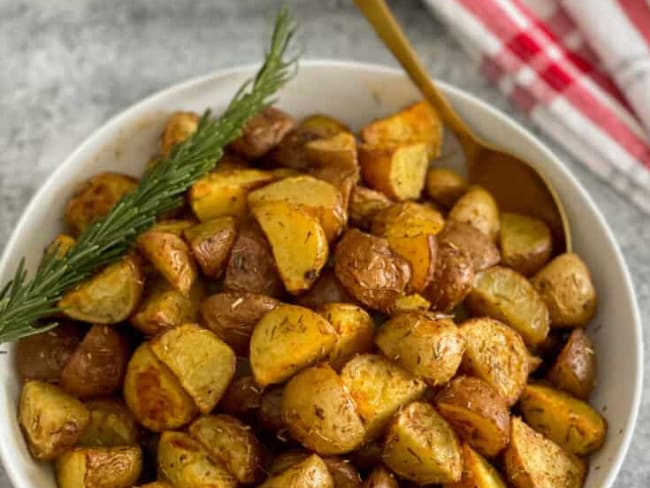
355	93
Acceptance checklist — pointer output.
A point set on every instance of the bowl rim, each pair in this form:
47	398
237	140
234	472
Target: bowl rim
16	475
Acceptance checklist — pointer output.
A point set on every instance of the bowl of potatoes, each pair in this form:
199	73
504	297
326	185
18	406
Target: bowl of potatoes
334	306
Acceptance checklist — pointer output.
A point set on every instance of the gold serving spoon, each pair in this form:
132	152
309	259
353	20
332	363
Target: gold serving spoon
515	184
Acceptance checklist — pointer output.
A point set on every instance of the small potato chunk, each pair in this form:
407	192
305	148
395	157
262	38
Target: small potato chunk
532	461
506	295
242	398
421	447
233	316
445	186
428	347
185	463
453	278
231	443
477	472
310	473
478	247
380	477
154	395
287	339
478	209
379	388
565	286
369	270
203	363
320	413
262	133
574	370
95	198
52	420
323	126
410	303
364	205
97	366
344	474
326	289
477	413
354	330
114	467
180	126
171	257
108	297
111	424
570	423
526	243
211	242
496	354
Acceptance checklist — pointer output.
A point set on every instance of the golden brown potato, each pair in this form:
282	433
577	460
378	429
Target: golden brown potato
180	126
380	478
269	415
453	278
51	420
344	474
231	443
574	370
565	286
445	186
261	133
111	424
320	413
477	413
526	243
478	247
108	297
287	339
326	289
97	366
379	388
280	173
323	126
364	205
410	303
477	472
233	315
60	245
428	347
211	242
96	197
532	461
369	270
354	331
506	295
310	473
117	467
478	209
496	354
242	398
173	226
420	446
154	395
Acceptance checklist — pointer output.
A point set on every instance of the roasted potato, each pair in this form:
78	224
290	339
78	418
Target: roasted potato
532	461
117	467
410	303
380	477
242	398
477	472
326	289
269	415
421	447
96	197
180	126
344	474
379	388
445	186
496	354
111	424
97	366
453	278
477	413
364	205
262	133
354	331
287	339
526	243
478	209
478	247
108	297
565	286
173	226
211	242
427	347
51	420
320	413
310	473
574	370
506	295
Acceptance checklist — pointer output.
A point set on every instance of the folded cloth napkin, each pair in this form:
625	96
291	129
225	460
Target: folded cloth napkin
579	68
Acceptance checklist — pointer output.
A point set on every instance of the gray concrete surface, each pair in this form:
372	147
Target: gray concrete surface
67	66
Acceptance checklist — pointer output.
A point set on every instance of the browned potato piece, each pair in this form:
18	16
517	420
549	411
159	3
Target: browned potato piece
496	354
262	133
111	424
180	126
453	278
231	443
115	467
478	247
364	205
477	472
565	286
379	388
233	315
269	415
445	186
287	339
477	413
380	478
410	303
211	242
184	462
242	398
420	446
108	297
310	473
567	421
354	331
574	369
428	347
320	413
171	256
174	226
344	474
326	289
154	395
323	126
96	197
369	270
97	366
506	295
532	461
51	420
526	243
478	209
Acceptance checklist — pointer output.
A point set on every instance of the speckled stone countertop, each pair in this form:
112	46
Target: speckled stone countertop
66	67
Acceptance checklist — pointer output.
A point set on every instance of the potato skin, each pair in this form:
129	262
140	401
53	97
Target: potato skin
262	133
326	289
453	278
477	472
410	303
180	126
242	398
380	477
171	256
574	370
210	243
364	205
111	424
310	473
269	415
96	467
526	243
354	328
478	247
478	209
445	186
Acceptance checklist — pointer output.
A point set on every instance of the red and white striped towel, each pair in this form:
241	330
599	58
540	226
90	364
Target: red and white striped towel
579	68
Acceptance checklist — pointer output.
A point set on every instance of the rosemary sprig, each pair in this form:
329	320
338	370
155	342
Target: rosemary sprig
24	302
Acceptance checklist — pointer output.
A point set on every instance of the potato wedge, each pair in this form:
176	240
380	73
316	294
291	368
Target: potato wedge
421	447
173	226
179	127
354	331
478	247
51	420
506	295
287	339
380	477
326	289
117	467
364	205
323	126
108	297
526	243
410	303
262	133
453	278
320	413
211	242
444	186
478	209
269	415
111	424
477	472
310	473
242	398
574	370
344	474
496	354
